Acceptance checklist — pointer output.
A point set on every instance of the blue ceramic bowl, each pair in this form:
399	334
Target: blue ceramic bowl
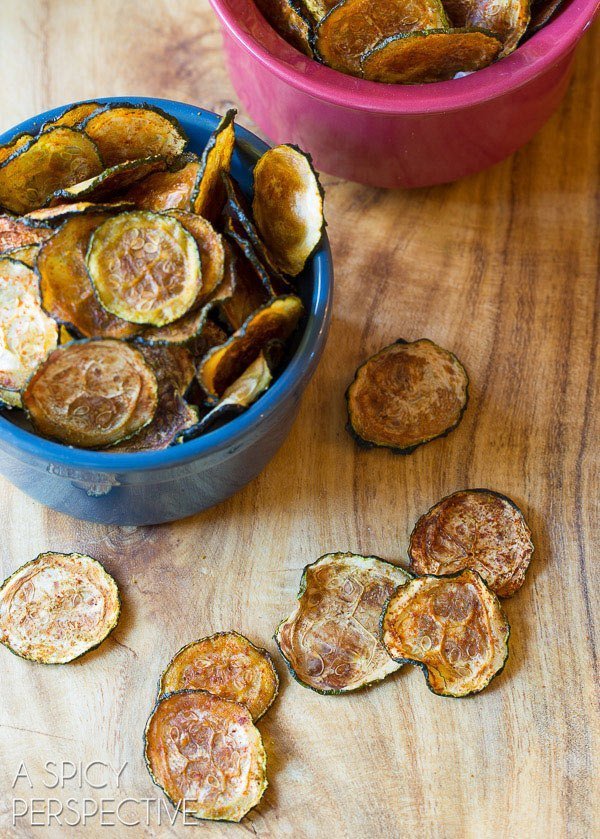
153	487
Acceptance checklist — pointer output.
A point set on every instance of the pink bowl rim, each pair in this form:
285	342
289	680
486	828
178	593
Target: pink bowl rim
538	54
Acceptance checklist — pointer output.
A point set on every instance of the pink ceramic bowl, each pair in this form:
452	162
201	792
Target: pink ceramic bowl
391	135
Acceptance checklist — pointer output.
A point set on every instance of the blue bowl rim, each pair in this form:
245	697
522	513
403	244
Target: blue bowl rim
297	371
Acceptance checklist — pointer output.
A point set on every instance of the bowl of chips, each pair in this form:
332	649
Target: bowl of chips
383	118
165	296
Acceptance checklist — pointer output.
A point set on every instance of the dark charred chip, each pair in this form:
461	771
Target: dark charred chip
507	19
73	117
288	207
166	190
453	627
55	159
541	12
17	233
405	395
210	247
57	214
8	149
57	608
478	529
208	196
92	394
172	365
432	56
227	665
27	254
353	27
248	290
130	132
331	640
111	181
145	267
224	364
65	286
223	786
291	19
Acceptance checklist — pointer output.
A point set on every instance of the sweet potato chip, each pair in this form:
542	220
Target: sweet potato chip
405	395
73	117
166	190
17	233
291	19
432	56
331	640
453	627
210	247
507	19
111	181
208	196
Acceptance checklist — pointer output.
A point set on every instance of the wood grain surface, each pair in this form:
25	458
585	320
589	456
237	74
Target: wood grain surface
502	269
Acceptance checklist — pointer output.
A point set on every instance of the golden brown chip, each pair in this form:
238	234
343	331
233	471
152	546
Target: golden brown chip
291	20
65	286
130	132
227	665
477	529
10	148
288	207
166	190
59	212
74	116
224	364
57	608
210	247
145	267
432	56
507	19
17	233
405	395
331	640
172	365
353	27
111	181
248	292
16	276
27	254
453	627
92	393
56	159
206	755
208	196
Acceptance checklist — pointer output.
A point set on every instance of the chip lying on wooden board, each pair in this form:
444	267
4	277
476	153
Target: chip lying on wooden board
114	232
407	41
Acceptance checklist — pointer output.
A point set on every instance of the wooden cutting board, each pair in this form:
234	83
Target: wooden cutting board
501	268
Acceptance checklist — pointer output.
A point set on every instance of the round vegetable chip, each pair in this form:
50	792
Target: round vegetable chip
541	12
432	56
291	19
288	206
166	190
477	529
92	393
56	214
507	19
210	247
58	607
17	233
452	627
331	640
208	195
27	254
405	395
353	27
111	181
226	665
73	116
16	276
145	267
206	754
10	148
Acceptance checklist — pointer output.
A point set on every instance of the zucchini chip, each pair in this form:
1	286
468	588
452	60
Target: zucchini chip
59	212
16	276
405	395
65	286
353	27
223	365
507	19
17	233
478	529
92	393
288	207
227	665
208	195
432	56
541	12
453	627
248	291
27	254
74	116
172	365
166	190
291	19
56	159
206	754
9	149
330	641
57	608
210	247
131	132
145	267
111	181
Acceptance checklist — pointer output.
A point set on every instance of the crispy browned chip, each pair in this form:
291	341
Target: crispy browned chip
111	181
477	529
541	12
92	393
288	207
206	751
14	145
224	364
453	627
56	159
65	286
291	19
227	665
58	213
248	290
405	395
353	27
432	56
145	267
172	365
27	254
129	132
210	247
16	233
208	196
57	608
319	8
166	190
330	642
74	116
507	19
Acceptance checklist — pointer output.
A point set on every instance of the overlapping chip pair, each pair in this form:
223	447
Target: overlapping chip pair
143	300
